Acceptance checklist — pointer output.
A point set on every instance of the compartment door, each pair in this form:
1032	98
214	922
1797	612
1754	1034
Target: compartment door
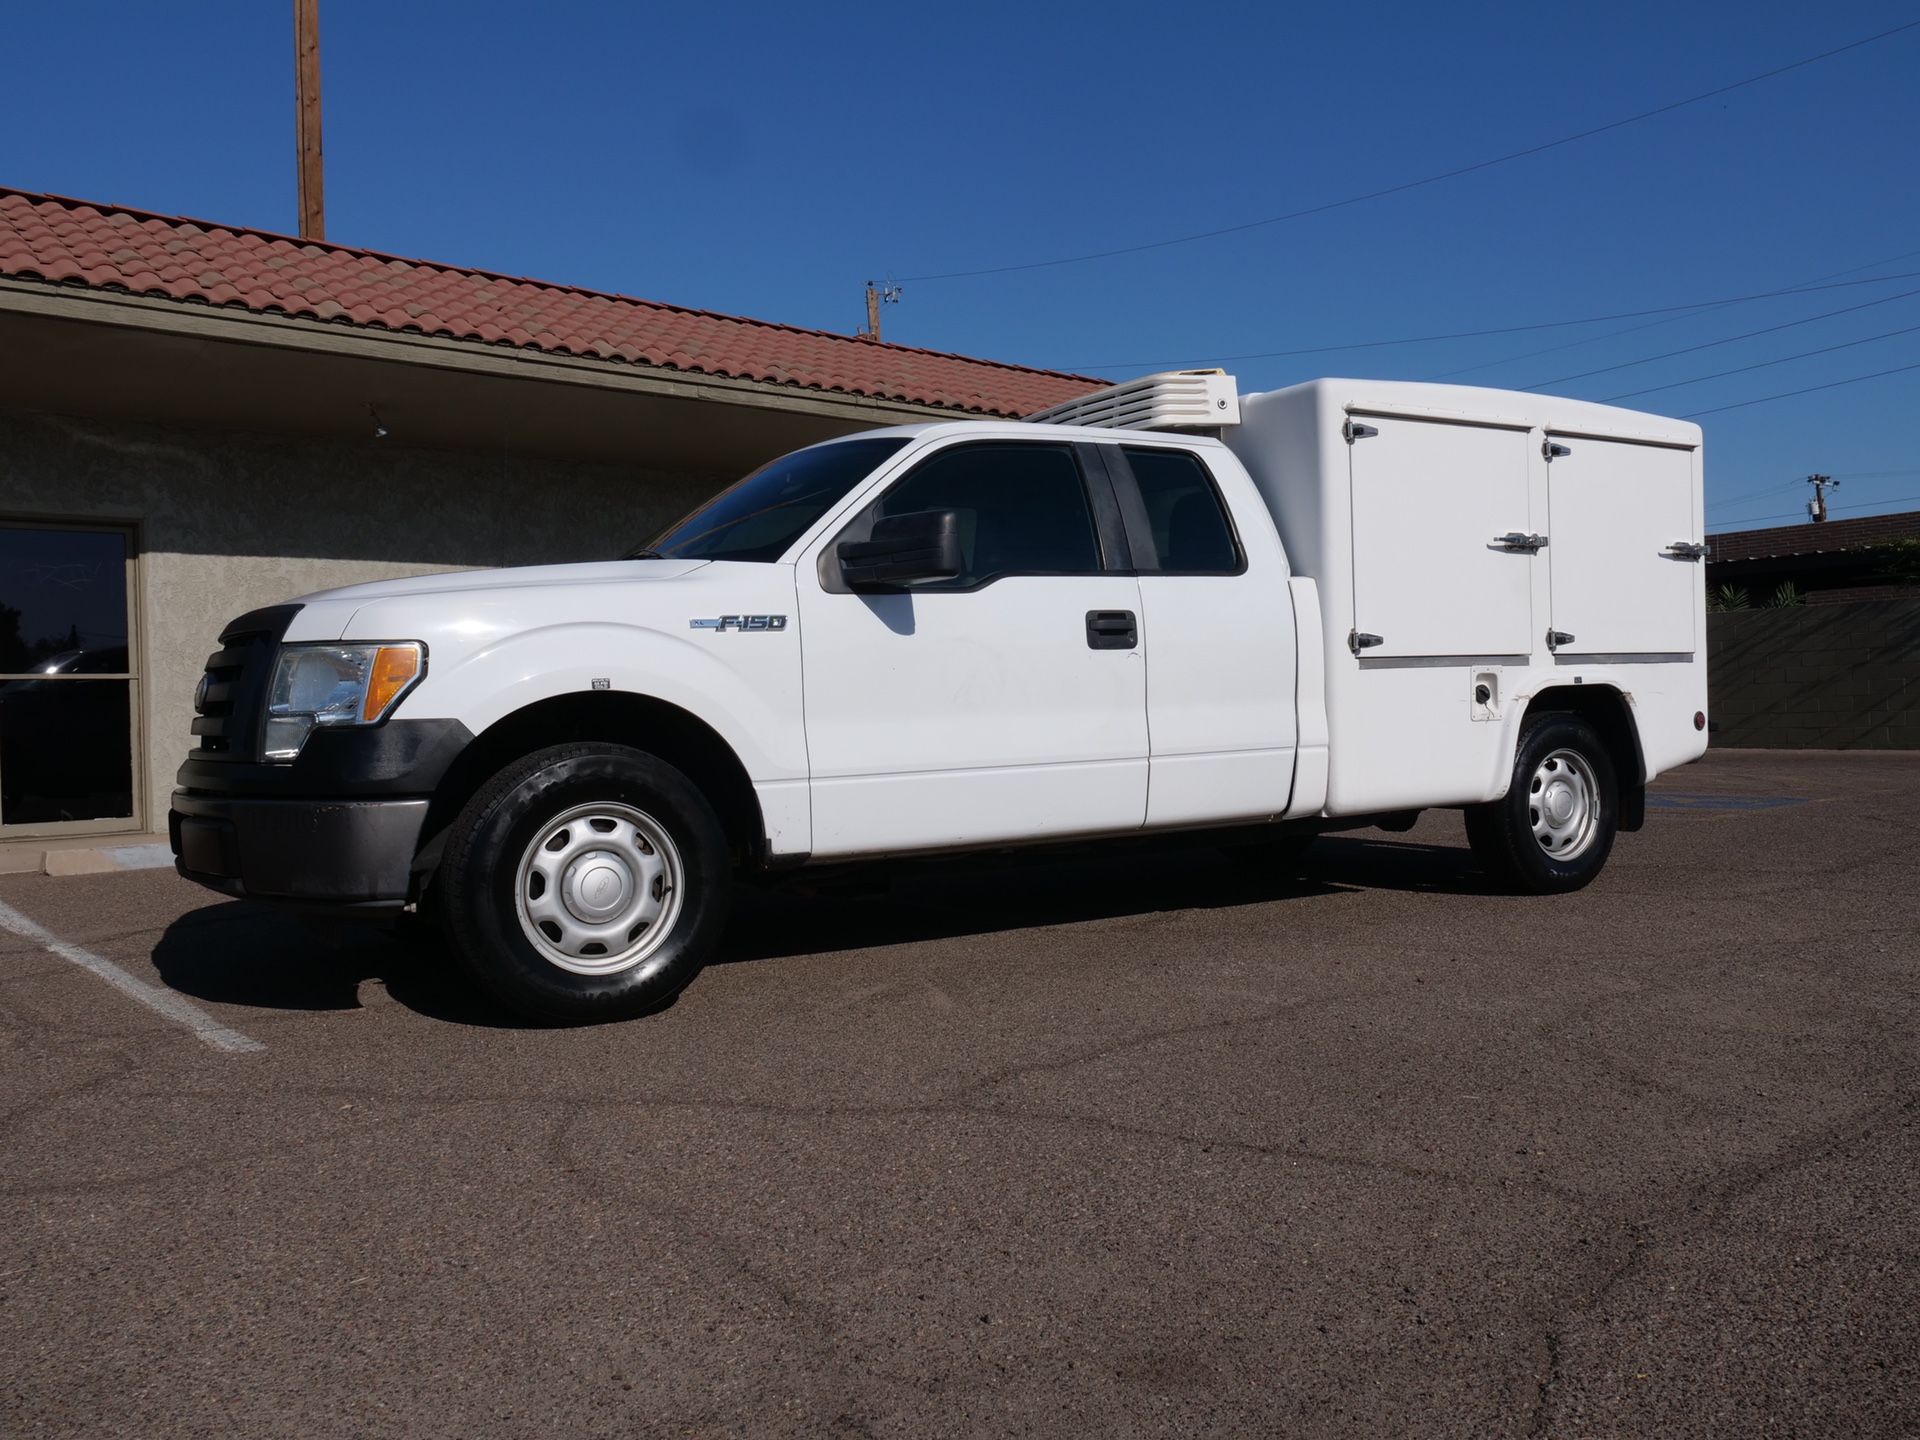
1429	500
1616	512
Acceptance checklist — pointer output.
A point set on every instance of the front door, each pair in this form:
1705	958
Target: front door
1003	704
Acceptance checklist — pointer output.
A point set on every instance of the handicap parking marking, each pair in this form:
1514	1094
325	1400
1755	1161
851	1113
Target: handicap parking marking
1671	801
176	1008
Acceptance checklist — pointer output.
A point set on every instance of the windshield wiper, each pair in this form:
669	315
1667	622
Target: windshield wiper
643	554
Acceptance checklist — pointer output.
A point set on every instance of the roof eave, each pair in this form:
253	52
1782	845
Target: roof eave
236	325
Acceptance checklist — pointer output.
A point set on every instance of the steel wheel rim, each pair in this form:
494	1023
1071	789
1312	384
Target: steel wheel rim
1563	805
598	889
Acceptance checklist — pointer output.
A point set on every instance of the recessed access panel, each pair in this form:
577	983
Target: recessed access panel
1626	578
1430	501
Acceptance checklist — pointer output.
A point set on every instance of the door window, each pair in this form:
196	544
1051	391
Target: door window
66	678
1191	532
1022	510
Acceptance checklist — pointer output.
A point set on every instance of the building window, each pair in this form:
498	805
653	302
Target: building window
68	686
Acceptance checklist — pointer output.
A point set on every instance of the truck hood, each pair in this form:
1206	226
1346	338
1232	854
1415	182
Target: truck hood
326	614
598	572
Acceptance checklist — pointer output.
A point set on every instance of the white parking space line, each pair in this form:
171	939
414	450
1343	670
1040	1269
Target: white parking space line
164	1002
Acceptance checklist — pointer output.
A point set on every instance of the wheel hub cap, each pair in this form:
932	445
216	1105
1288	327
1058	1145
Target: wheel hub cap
598	889
1563	804
597	886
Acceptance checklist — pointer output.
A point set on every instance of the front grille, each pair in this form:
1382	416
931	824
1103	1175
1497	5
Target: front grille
228	725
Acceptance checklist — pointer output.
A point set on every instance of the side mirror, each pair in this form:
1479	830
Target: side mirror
903	548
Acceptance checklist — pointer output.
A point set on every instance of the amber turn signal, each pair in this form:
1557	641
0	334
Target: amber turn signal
394	668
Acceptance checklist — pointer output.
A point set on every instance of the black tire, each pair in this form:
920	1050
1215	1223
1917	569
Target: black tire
479	881
1502	832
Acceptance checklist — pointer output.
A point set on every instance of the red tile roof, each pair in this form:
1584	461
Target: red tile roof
72	242
1813	539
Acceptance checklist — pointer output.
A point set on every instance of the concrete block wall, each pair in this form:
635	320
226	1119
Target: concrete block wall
1816	677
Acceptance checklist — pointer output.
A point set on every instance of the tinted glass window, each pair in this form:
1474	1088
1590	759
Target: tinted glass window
1191	534
61	591
66	750
761	516
1022	509
66	741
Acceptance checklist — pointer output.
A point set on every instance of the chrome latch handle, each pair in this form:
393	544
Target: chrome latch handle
1520	542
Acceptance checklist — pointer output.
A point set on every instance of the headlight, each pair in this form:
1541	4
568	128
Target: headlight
335	685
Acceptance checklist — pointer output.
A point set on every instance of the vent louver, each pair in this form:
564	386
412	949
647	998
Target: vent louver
1171	400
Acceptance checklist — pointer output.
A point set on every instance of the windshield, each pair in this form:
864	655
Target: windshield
761	516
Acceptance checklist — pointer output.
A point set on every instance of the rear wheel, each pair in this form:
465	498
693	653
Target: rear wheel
585	882
1554	829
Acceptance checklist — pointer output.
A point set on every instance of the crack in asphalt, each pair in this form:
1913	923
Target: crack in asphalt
1701	1207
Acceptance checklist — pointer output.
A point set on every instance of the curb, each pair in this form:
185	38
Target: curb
91	860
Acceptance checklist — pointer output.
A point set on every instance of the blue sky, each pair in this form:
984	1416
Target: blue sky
766	160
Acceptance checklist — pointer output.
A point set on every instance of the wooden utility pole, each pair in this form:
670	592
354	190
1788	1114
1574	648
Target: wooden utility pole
878	295
306	64
1821	484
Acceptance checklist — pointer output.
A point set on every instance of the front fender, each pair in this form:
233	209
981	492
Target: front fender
751	698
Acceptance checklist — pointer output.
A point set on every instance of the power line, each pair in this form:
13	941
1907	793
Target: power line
1862	505
1505	329
1798	481
1407	185
1713	344
1808	390
1762	365
1650	324
1757	494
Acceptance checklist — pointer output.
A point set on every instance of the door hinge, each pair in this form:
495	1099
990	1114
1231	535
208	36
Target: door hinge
1550	451
1354	430
1525	544
1358	640
1687	550
1557	638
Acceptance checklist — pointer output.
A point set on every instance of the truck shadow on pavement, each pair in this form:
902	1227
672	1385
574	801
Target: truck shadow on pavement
234	953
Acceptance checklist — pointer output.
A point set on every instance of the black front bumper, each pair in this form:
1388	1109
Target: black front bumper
333	853
339	828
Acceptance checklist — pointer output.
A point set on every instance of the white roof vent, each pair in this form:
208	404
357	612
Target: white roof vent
1171	400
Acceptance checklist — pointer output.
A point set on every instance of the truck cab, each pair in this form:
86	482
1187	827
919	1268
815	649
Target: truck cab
1162	607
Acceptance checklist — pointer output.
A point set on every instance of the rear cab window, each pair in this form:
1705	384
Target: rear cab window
1180	509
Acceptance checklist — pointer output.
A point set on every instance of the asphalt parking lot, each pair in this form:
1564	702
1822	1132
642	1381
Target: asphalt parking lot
1134	1146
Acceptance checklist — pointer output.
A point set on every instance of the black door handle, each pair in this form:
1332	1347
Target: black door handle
1112	630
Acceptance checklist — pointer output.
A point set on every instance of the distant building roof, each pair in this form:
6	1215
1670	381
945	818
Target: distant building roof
1825	538
73	242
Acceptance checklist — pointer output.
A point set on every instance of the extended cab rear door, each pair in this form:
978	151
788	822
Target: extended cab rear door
1221	720
1007	704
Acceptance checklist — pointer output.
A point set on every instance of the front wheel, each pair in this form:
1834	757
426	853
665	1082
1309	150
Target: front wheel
1554	829
586	882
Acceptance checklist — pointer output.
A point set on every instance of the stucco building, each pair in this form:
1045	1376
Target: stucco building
197	419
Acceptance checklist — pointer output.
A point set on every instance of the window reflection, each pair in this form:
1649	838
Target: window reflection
66	735
60	591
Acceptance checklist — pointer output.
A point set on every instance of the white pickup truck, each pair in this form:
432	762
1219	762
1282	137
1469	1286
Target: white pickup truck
1162	607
